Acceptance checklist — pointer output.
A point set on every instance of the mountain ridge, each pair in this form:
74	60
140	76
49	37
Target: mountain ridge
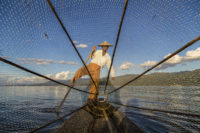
184	78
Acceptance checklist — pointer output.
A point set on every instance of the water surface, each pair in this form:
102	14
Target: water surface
24	108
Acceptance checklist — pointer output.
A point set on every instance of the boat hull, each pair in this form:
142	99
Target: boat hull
99	118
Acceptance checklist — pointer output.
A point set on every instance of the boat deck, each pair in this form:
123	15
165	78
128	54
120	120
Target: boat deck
99	117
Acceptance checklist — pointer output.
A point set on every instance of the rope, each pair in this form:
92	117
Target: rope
40	75
116	42
157	110
162	61
53	121
63	27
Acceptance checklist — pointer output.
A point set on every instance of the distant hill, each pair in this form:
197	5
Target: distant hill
185	78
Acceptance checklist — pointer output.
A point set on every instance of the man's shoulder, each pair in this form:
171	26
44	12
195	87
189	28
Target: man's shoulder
98	51
107	54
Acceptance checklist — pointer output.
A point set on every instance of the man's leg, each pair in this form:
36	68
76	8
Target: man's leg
95	73
79	73
95	89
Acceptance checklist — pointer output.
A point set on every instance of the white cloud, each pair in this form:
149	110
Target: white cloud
36	61
34	79
148	63
127	65
75	42
190	55
27	80
62	75
174	60
44	61
82	46
67	62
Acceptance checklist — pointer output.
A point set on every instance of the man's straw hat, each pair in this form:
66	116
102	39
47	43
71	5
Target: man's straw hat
105	44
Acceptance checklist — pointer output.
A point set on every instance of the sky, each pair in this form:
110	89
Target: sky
31	36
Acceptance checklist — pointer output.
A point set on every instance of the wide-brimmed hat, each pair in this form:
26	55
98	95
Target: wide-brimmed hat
105	43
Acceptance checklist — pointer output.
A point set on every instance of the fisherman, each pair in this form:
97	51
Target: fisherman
100	58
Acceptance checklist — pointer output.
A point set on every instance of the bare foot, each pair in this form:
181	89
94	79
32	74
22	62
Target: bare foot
72	82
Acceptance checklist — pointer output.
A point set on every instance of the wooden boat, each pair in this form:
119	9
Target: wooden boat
99	117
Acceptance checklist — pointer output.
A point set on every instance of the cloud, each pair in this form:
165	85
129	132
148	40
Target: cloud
27	80
67	62
191	55
36	61
44	61
148	64
127	65
75	42
82	46
174	60
62	75
34	79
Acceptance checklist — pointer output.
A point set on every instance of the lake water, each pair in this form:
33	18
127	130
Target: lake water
24	108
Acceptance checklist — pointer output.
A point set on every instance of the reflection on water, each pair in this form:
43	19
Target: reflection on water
23	108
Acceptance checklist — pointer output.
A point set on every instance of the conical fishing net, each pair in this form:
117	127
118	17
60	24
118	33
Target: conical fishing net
155	54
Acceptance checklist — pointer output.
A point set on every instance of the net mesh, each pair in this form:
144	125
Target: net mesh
31	36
